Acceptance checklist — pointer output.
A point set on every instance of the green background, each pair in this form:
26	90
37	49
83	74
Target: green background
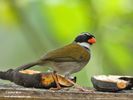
31	28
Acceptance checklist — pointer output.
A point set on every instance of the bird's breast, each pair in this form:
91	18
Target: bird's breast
68	67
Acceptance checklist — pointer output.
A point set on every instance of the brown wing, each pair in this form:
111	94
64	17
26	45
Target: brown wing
72	52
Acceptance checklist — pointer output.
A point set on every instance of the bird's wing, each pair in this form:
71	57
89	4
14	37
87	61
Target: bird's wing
72	52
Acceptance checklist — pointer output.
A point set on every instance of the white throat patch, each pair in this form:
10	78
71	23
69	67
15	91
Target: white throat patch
84	44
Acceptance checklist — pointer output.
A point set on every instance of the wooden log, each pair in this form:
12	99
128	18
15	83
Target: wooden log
12	91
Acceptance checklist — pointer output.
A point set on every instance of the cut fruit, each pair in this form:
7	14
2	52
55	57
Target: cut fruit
30	78
112	83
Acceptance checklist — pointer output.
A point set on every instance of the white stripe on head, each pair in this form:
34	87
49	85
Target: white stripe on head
84	44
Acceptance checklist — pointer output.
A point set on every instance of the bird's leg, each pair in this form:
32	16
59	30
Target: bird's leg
80	88
56	81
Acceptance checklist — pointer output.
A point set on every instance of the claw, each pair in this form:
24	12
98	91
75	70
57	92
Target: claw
55	88
83	90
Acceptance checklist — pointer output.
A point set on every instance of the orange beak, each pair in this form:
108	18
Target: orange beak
92	40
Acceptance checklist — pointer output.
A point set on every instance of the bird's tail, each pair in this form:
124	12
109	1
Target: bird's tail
29	65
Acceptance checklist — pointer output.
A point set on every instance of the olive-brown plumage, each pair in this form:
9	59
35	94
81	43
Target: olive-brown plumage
67	60
72	52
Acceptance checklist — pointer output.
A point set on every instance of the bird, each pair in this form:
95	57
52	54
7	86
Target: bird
67	60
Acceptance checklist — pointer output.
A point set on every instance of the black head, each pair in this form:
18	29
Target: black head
85	37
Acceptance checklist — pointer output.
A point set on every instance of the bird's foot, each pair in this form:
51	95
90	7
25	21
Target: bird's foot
83	90
56	81
79	88
58	88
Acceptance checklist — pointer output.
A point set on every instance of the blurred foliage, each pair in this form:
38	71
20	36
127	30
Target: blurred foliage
31	28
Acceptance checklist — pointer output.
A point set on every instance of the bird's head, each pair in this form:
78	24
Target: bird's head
85	39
